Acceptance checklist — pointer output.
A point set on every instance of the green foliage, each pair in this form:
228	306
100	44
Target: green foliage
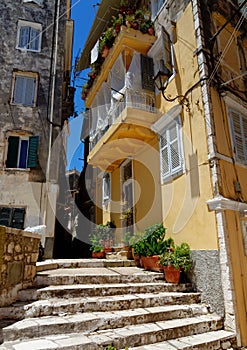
179	257
135	238
153	242
126	238
100	235
111	347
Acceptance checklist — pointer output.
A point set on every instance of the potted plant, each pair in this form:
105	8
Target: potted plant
176	260
134	240
106	41
100	237
152	246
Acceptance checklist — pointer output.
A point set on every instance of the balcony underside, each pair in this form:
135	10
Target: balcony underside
125	138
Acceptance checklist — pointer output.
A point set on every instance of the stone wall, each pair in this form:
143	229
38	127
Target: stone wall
206	279
18	256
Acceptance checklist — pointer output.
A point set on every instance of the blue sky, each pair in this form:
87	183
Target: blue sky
83	13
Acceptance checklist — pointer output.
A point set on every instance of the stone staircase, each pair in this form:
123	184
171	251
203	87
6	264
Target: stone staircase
90	304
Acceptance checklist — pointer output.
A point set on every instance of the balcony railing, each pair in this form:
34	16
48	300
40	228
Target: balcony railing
102	117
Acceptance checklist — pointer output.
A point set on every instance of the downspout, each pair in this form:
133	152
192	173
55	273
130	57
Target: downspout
230	321
53	85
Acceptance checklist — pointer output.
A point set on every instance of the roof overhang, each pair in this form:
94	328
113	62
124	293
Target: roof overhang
106	10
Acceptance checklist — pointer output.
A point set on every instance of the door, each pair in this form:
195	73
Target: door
127	208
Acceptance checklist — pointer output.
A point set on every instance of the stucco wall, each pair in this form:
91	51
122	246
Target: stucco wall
18	256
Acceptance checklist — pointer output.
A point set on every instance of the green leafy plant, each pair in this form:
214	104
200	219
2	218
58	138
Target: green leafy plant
178	257
135	238
101	234
154	242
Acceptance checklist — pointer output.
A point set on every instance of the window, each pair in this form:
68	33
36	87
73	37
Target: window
22	152
12	217
29	36
24	89
171	150
156	5
238	123
106	188
38	2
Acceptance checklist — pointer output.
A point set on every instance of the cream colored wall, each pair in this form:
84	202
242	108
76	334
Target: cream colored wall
184	199
147	191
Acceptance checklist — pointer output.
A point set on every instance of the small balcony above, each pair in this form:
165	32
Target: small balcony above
127	41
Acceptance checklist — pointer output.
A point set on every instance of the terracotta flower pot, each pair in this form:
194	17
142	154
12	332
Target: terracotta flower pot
151	263
172	275
98	255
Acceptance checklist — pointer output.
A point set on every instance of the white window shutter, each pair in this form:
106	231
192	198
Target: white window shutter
23	37
171	150
239	130
34	39
29	91
19	89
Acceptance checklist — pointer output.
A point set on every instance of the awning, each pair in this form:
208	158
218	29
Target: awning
107	9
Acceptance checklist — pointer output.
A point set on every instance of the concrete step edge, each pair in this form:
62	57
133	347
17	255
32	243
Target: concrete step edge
199	340
135	335
81	322
150	333
111	303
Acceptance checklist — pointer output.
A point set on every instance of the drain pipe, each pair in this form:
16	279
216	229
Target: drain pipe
53	83
51	191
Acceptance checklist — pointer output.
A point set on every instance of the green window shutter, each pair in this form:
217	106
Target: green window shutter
147	68
5	216
13	147
32	151
18	218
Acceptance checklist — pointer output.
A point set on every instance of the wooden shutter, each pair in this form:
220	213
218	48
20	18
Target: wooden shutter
147	68
5	216
174	148
13	148
164	156
167	54
239	125
171	150
33	151
18	218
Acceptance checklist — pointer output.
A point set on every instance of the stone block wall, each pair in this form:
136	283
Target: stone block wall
18	256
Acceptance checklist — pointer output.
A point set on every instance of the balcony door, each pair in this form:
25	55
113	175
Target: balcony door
127	190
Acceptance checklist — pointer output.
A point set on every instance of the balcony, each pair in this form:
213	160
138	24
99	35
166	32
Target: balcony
128	40
120	129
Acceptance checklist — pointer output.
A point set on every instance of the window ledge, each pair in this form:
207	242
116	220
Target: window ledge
172	177
17	170
221	203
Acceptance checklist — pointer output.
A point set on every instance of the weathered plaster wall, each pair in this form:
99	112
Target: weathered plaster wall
26	187
18	256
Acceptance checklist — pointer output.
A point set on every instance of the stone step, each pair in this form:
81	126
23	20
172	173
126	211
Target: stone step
133	335
57	306
84	290
212	340
90	322
84	263
99	275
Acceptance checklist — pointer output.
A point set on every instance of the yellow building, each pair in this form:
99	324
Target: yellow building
167	126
